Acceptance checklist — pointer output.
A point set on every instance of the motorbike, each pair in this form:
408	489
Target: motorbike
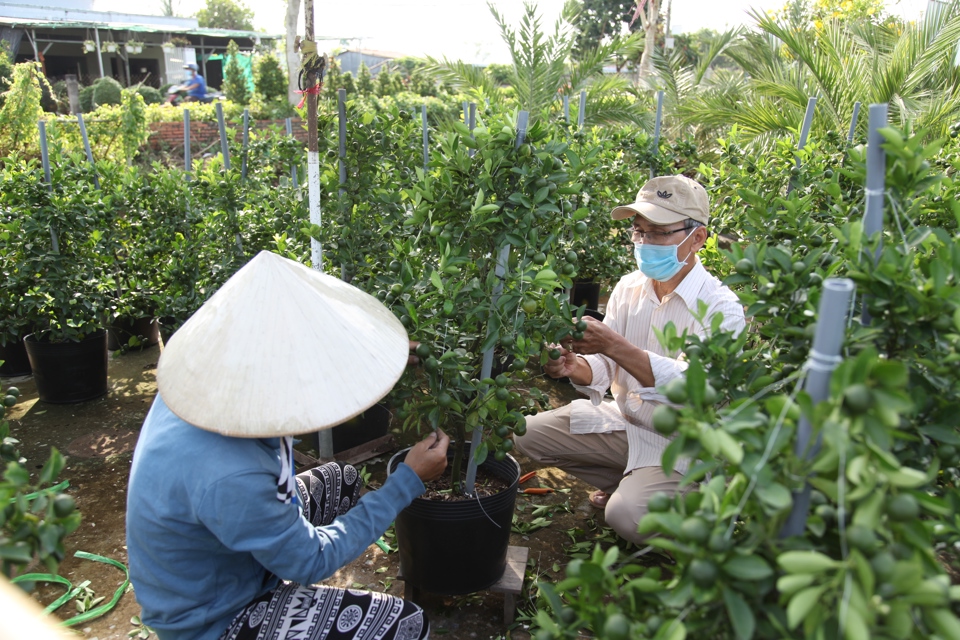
177	94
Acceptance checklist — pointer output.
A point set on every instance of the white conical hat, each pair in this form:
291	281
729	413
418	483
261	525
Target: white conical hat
281	350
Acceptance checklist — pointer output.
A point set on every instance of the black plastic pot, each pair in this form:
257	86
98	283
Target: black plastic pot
585	292
454	548
68	372
15	360
369	425
120	332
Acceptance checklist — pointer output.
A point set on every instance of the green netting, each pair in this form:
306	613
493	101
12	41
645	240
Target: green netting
246	64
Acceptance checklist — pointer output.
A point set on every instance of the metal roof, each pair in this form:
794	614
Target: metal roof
121	26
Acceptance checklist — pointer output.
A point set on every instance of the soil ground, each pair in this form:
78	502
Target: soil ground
99	436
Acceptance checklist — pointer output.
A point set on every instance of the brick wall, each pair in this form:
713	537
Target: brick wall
202	134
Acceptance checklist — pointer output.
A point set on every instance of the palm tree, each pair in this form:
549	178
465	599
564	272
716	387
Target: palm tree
542	73
910	66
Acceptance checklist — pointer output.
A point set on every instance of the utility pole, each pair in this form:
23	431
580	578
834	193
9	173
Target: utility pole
668	37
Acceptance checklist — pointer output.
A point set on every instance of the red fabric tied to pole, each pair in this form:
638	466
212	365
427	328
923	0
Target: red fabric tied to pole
314	90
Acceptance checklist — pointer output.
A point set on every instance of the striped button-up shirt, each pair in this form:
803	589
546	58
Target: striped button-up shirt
633	311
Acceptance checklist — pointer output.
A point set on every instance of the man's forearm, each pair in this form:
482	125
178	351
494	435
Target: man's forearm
633	360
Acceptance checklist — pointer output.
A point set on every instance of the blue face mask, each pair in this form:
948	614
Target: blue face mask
659	261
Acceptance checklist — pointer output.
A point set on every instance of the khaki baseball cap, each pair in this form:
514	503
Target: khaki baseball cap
668	199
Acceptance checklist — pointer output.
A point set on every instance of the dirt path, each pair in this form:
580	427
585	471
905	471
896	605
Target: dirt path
99	436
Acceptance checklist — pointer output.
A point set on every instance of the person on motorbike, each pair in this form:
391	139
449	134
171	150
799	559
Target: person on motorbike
195	85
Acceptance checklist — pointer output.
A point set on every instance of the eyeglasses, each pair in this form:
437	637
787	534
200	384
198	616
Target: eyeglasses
653	237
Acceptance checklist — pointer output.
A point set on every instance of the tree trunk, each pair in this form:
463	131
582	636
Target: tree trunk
293	58
649	16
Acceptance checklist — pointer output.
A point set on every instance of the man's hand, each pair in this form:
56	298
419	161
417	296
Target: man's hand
412	359
563	366
428	458
598	338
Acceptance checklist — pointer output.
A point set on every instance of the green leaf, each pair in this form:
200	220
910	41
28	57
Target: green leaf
793	583
18	552
776	496
750	568
907	478
437	282
856	626
741	617
480	455
802	603
805	562
671	630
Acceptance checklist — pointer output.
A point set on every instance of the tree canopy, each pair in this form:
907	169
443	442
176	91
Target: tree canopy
226	14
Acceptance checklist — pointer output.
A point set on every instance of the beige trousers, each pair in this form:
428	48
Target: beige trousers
598	459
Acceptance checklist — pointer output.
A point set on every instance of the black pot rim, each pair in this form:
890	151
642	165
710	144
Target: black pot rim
32	337
511	487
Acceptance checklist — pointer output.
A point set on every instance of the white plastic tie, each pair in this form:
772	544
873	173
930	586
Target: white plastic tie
822	362
875	192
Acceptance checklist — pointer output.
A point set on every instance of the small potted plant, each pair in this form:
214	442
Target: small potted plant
89	46
133	47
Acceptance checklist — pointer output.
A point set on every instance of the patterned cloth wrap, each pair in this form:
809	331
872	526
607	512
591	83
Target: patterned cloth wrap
297	612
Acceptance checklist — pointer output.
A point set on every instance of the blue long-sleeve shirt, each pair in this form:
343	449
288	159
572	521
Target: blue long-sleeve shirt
206	533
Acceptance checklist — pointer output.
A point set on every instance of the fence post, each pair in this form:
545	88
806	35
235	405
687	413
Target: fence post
294	174
804	132
824	358
224	147
656	129
86	147
503	259
243	146
45	160
187	159
853	122
876	183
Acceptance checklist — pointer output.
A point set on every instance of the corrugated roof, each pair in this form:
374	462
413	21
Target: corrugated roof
120	26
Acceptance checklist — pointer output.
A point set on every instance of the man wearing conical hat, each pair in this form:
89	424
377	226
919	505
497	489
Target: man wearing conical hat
224	540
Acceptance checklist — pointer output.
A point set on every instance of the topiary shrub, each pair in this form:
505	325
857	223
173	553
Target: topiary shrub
103	91
150	95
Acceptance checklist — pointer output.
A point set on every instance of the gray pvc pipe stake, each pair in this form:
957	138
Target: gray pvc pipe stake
804	132
876	183
583	109
187	159
86	147
426	139
807	121
466	112
342	111
45	160
824	358
503	258
224	147
44	153
294	175
656	127
566	109
853	122
243	146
